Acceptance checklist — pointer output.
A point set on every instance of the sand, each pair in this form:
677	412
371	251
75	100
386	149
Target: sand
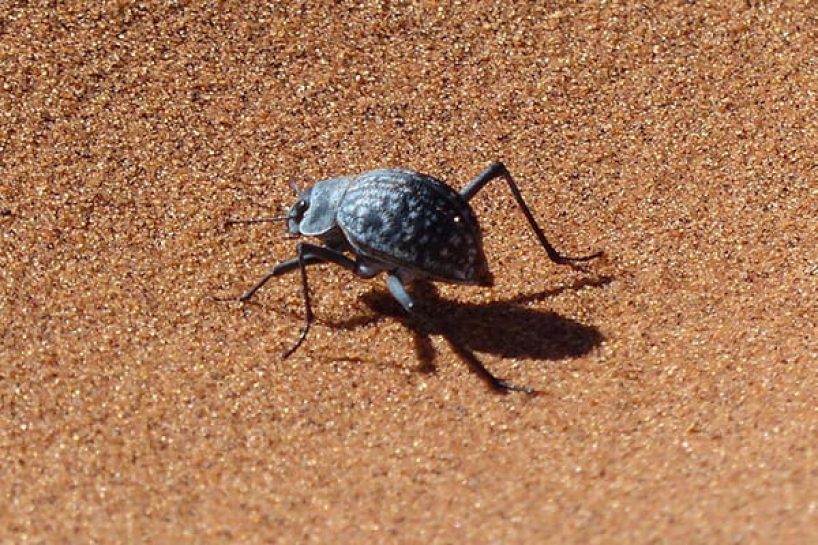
677	376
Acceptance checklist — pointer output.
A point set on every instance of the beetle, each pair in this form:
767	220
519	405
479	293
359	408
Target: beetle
401	222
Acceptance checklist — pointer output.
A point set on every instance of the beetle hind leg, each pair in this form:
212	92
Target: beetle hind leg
499	170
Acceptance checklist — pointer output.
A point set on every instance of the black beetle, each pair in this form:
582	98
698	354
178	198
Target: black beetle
401	222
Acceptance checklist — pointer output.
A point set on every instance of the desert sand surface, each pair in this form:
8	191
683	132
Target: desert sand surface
677	376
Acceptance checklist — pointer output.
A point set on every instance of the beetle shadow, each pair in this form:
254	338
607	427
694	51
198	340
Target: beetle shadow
505	328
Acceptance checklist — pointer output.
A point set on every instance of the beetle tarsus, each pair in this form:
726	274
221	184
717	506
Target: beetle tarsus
301	337
506	386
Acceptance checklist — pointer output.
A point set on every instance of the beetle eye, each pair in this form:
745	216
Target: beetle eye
298	209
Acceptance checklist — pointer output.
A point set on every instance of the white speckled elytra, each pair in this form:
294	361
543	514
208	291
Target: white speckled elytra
401	222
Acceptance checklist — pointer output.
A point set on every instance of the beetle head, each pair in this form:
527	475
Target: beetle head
314	212
297	211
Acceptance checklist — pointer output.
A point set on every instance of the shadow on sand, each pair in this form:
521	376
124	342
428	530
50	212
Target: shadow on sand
505	328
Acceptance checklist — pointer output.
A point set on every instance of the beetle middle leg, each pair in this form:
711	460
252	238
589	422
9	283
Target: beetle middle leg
398	291
499	170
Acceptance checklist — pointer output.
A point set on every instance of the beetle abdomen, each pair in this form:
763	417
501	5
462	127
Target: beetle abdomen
415	222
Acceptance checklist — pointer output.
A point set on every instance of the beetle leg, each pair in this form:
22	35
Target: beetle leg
308	254
499	170
321	253
366	270
398	291
282	268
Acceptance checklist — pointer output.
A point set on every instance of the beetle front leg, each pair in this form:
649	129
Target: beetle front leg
282	268
291	265
308	254
499	170
398	291
319	253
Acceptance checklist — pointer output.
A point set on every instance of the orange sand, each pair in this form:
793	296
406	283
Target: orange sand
680	390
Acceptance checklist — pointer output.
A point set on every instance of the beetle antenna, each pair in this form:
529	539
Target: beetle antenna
258	220
294	186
